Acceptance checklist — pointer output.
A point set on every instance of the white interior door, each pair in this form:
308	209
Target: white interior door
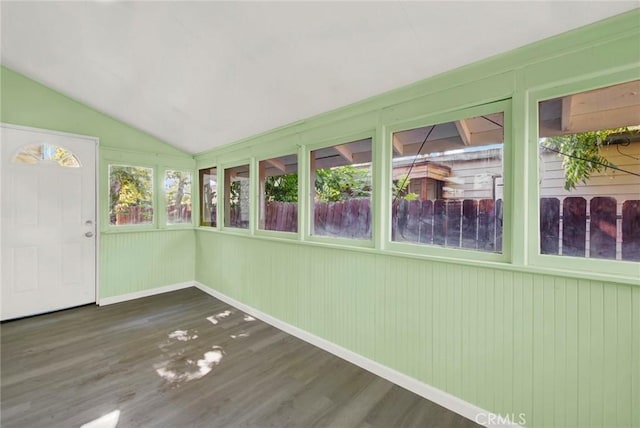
48	218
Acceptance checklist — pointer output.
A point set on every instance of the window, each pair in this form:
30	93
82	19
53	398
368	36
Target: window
177	190
279	194
36	153
447	184
341	184
236	196
589	175
209	195
130	195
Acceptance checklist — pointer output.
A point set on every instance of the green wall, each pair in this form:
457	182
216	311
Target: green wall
129	261
562	351
555	338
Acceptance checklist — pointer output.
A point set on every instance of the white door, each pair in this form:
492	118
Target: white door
48	209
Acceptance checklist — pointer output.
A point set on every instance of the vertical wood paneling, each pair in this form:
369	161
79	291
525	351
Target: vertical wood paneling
548	351
572	354
559	346
414	319
538	351
610	350
499	321
563	352
428	346
508	343
437	330
623	355
483	339
131	262
468	343
398	285
635	356
584	350
597	355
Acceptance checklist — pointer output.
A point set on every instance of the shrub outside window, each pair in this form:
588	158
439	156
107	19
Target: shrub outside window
279	194
236	196
177	190
589	177
130	195
209	196
341	184
447	185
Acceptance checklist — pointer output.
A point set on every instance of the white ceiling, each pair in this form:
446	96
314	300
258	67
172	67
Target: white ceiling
203	74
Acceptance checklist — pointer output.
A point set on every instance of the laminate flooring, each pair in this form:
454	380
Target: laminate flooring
185	359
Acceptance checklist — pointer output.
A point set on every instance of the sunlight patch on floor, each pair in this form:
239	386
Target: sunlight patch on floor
238	336
214	319
180	370
182	335
110	420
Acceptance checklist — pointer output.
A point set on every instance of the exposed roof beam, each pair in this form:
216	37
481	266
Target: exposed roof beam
344	152
567	106
493	136
278	164
463	130
615	118
398	147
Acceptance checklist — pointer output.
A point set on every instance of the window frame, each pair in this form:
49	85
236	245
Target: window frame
222	208
621	269
500	106
255	201
198	221
163	220
308	191
108	163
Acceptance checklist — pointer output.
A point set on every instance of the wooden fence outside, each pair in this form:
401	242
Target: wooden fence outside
281	216
134	215
576	227
565	226
345	219
468	223
474	224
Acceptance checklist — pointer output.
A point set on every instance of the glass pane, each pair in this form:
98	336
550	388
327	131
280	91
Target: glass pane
447	184
236	195
209	192
35	153
341	179
130	195
589	154
279	194
177	190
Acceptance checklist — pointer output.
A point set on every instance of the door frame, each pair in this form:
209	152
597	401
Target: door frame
96	143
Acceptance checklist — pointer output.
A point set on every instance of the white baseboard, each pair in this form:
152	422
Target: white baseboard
435	395
144	293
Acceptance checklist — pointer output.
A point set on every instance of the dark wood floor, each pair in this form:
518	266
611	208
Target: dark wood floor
185	359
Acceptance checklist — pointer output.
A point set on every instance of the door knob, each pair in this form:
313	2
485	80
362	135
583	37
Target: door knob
88	234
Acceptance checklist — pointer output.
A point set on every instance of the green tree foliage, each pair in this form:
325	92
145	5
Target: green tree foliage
235	191
401	187
580	154
129	186
281	188
341	183
177	186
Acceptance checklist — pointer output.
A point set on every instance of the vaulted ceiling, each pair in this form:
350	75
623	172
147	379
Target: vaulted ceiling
204	74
